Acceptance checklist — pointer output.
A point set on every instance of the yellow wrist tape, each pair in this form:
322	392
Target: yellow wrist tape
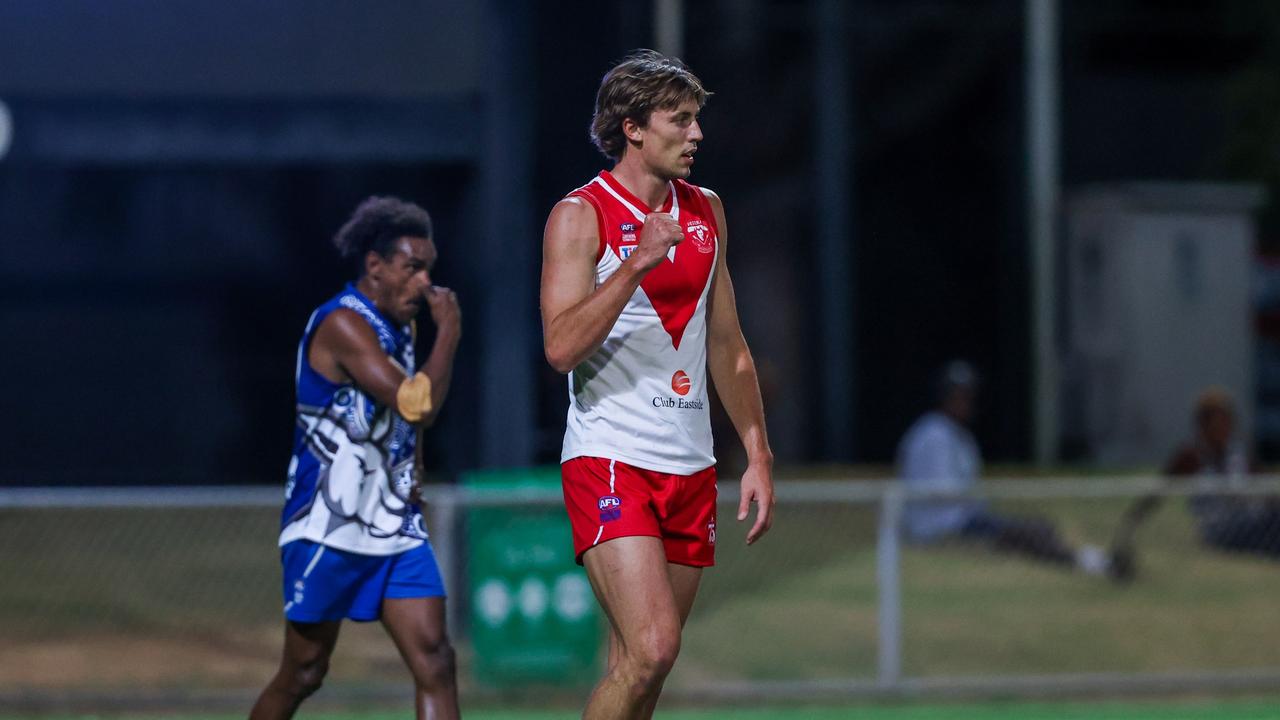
413	398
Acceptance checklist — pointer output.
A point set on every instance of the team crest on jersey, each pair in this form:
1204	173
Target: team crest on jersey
610	508
700	233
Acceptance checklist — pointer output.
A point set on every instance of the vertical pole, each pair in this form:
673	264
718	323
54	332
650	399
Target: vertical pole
6	129
507	243
668	27
1042	208
889	586
448	546
835	253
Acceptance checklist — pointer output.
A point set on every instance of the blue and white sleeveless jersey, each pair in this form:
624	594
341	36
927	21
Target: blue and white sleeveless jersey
352	466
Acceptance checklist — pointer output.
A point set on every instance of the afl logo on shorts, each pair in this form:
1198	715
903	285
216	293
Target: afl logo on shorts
610	508
680	383
700	233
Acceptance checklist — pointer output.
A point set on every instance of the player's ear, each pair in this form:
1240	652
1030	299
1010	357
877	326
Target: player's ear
632	130
372	263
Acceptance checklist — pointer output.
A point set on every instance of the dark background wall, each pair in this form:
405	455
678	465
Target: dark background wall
240	48
154	276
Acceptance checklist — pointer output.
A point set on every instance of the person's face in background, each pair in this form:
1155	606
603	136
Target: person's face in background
1216	427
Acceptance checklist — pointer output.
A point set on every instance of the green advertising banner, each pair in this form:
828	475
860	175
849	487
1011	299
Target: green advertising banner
533	618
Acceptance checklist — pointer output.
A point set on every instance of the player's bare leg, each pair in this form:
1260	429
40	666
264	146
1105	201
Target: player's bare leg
631	580
684	583
417	625
307	648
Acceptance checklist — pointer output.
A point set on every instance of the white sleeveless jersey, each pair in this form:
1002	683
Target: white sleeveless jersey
642	397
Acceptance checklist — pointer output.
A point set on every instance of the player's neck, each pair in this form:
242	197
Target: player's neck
955	417
641	182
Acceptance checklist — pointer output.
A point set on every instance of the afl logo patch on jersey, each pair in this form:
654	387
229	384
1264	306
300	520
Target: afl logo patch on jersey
680	383
627	243
610	508
700	233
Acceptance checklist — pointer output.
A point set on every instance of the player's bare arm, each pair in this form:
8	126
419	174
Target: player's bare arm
576	315
734	374
1139	511
447	317
346	349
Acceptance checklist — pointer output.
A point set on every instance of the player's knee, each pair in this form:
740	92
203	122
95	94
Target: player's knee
652	660
436	665
305	678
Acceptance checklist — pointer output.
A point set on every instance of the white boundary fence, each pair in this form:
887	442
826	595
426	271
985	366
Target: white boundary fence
447	504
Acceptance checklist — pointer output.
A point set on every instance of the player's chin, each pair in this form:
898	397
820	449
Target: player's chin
410	311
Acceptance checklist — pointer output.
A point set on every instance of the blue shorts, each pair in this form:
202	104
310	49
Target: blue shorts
323	584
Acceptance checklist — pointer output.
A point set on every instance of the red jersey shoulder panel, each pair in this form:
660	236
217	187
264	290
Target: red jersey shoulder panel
704	203
586	194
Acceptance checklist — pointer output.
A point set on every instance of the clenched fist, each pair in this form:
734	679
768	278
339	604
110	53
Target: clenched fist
445	312
660	233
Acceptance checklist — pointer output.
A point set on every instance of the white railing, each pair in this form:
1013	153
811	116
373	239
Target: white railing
448	503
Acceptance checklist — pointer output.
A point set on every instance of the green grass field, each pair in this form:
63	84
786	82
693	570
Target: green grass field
810	589
114	599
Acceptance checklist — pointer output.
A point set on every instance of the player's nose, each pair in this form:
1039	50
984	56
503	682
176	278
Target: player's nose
695	132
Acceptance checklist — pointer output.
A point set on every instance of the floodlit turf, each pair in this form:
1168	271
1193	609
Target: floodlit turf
1200	710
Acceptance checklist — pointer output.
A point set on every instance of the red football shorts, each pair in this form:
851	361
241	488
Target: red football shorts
609	499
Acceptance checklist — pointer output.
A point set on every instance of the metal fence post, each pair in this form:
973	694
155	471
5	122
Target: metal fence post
889	587
447	543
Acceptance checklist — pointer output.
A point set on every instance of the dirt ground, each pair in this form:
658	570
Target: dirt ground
239	658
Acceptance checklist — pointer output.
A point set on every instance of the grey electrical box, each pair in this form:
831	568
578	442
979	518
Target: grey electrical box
1157	307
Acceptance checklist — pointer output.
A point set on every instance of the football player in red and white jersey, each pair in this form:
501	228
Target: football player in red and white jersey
637	306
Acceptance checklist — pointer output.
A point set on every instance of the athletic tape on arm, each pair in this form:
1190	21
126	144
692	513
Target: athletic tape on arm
413	398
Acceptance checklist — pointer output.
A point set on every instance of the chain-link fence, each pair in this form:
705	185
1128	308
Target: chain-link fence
111	597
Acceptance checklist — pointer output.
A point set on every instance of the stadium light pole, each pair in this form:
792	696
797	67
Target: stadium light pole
835	236
1043	178
668	27
509	335
6	129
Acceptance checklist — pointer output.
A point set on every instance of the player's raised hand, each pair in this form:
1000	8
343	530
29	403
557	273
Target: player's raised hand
445	312
757	487
660	233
